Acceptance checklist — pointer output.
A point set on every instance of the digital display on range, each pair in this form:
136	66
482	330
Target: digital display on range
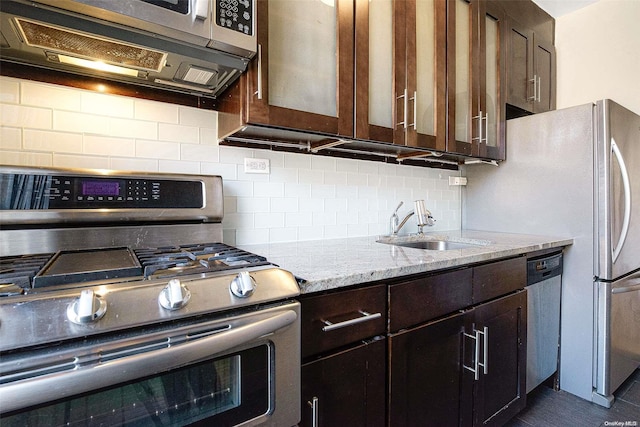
100	188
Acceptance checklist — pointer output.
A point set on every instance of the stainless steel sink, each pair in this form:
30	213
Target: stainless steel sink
435	245
431	244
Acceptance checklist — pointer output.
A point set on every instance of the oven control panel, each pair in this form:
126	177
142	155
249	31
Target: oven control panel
92	192
32	195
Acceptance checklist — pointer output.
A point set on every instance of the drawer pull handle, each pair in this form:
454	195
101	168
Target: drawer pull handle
365	317
314	411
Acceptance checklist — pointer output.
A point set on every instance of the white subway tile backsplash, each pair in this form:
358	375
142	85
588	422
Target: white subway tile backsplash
301	191
84	162
10	138
323	163
59	142
127	128
268	189
178	133
26	117
107	105
9	90
179	166
157	149
50	96
303	197
106	146
269	220
279	174
25	158
155	111
227	172
298	219
238	188
284	234
253	204
133	164
194	117
71	121
298	161
199	152
284	204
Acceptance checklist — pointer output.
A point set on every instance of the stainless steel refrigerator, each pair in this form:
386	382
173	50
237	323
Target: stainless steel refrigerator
575	172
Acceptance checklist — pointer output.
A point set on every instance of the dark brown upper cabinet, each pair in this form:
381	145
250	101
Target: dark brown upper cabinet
401	72
475	69
302	77
531	59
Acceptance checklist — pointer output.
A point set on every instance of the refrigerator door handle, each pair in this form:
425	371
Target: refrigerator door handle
627	200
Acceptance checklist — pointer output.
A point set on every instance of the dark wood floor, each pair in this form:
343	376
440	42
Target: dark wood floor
548	408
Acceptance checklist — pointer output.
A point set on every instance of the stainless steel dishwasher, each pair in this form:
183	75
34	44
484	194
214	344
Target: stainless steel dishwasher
544	282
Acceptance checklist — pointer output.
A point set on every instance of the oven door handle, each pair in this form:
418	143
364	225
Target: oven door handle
37	390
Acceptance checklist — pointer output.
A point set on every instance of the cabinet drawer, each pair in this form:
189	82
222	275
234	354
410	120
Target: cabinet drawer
423	299
333	320
499	278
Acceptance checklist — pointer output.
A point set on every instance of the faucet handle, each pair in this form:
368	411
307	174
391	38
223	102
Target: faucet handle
399	206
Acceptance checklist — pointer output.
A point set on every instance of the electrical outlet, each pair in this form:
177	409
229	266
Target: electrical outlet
252	165
457	180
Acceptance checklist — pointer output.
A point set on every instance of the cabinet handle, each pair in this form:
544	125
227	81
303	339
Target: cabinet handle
476	360
314	411
259	91
415	109
534	80
479	117
405	112
365	317
485	350
539	89
486	128
476	355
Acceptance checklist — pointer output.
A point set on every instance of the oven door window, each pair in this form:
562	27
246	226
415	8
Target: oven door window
223	391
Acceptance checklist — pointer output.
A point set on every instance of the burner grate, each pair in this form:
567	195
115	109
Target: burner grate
20	270
194	258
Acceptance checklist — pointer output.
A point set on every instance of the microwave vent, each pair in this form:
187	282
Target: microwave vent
74	43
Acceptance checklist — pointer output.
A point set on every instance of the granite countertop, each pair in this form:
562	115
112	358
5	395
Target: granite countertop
330	264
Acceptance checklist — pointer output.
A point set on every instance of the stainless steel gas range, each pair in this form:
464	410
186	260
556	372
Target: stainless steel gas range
119	305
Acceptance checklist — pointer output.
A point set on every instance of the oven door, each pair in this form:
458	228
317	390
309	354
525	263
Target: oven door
243	370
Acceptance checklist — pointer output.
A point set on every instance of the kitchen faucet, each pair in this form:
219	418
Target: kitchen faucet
422	218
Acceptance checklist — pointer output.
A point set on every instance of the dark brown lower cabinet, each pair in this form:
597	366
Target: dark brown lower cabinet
433	379
346	388
500	393
427	385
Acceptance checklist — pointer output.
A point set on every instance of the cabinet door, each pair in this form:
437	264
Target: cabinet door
475	69
400	72
520	84
500	392
346	389
427	385
303	75
545	73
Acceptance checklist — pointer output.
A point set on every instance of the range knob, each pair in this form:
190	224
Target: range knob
243	285
174	296
87	308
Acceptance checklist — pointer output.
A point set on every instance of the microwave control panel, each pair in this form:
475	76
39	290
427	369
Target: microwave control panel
236	15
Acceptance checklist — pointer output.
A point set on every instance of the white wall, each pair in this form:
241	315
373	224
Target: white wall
598	54
304	197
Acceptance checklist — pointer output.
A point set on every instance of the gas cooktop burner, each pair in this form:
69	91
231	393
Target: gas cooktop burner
192	259
23	273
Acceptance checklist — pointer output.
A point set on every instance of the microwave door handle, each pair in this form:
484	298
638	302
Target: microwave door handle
37	390
627	201
201	9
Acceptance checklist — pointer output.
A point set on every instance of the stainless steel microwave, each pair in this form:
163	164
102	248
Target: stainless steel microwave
187	45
